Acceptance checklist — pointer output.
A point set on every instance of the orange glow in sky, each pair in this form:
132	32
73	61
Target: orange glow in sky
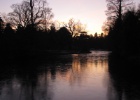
89	12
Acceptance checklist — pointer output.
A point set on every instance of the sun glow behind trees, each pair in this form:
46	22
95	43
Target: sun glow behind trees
89	12
90	26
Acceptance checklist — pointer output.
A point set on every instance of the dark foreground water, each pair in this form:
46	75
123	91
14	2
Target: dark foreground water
92	76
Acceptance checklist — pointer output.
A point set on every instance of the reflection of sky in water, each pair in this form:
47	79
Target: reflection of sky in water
68	77
84	77
86	80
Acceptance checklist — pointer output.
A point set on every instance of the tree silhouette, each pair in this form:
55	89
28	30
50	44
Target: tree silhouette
96	35
1	27
115	12
75	27
124	34
64	38
8	31
1	32
35	34
116	8
131	32
34	12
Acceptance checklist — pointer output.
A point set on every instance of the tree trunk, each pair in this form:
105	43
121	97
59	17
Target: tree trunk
120	10
32	12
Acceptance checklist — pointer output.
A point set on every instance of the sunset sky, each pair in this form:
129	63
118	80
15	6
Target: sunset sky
89	12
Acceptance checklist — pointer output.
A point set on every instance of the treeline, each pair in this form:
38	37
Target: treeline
31	39
124	35
29	29
123	27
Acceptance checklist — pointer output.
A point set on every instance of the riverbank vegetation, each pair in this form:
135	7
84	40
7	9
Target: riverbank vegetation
29	29
123	28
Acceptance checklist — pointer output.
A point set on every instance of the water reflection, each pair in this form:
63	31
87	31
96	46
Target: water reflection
91	76
22	83
66	77
124	79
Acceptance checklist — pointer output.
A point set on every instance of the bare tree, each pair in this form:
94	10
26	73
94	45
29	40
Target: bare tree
114	12
31	12
1	26
106	27
75	27
115	8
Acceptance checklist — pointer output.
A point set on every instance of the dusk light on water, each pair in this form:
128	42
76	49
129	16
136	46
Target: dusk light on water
69	50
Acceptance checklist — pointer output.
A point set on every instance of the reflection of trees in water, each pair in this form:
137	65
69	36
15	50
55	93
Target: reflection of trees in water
36	81
86	65
23	84
124	79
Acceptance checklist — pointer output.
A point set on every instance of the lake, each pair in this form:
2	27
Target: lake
91	76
